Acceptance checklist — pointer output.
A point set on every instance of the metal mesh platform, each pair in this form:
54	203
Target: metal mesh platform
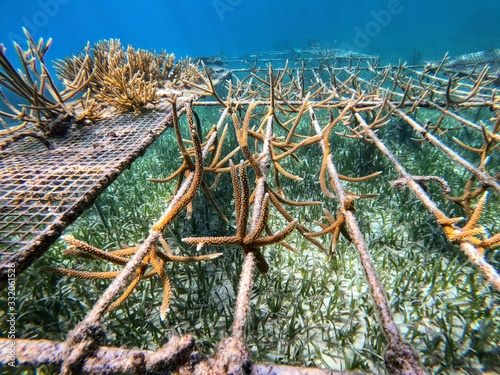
42	191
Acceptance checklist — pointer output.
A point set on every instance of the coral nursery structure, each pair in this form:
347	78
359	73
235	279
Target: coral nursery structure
319	155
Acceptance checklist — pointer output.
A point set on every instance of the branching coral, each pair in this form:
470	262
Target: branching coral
126	79
105	74
156	259
47	108
125	90
144	256
250	240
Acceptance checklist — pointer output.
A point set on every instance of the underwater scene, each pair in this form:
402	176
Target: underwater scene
249	187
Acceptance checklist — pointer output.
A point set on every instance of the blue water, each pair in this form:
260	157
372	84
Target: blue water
414	31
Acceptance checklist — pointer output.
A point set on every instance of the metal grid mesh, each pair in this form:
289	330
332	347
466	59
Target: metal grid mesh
42	191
